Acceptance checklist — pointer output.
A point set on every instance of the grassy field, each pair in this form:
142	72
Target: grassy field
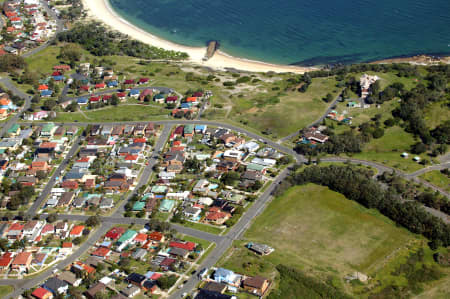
436	114
115	113
437	178
4	290
295	109
203	227
320	232
388	149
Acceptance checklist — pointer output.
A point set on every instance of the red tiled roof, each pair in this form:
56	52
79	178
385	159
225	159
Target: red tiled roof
139	140
156	236
21	258
6	259
47	228
115	233
131	157
76	230
141	237
67	245
40	293
172	99
101	251
16	226
48	145
187	245
69	185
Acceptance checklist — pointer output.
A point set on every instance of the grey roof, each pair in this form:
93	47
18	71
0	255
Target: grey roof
178	251
106	202
54	283
139	253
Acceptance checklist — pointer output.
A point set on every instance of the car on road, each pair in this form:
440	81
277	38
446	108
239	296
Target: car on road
181	286
202	273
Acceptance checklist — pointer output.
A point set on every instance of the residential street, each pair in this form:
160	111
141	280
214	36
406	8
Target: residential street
59	171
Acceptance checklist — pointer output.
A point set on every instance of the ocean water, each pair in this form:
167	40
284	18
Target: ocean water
305	32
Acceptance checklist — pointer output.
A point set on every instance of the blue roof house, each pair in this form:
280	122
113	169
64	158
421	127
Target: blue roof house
58	78
200	129
134	93
112	84
185	105
227	276
82	101
46	93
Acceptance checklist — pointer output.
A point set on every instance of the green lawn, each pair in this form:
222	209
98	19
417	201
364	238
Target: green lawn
388	149
436	114
115	113
319	231
437	178
203	227
44	61
4	290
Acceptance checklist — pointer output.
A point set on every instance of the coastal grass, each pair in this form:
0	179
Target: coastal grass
436	114
437	178
387	150
389	78
44	61
293	112
319	231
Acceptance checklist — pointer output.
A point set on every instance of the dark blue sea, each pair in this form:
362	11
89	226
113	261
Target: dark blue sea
306	32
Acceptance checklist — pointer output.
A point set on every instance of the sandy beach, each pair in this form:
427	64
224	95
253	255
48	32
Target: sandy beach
101	11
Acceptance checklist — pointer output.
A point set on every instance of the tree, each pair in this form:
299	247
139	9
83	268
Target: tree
52	218
115	100
167	281
229	178
328	98
72	53
378	133
4	244
418	148
49	105
93	221
40	174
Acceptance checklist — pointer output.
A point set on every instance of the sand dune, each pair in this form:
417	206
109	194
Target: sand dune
101	11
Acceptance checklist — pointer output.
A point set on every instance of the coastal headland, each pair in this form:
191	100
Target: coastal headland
100	10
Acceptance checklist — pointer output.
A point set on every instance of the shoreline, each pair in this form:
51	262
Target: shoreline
100	10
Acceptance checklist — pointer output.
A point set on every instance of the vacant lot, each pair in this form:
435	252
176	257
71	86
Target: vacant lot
115	113
388	149
294	111
437	178
319	231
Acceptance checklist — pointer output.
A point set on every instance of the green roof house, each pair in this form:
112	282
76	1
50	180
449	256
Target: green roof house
167	205
126	239
159	189
255	167
188	130
138	206
14	130
48	130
